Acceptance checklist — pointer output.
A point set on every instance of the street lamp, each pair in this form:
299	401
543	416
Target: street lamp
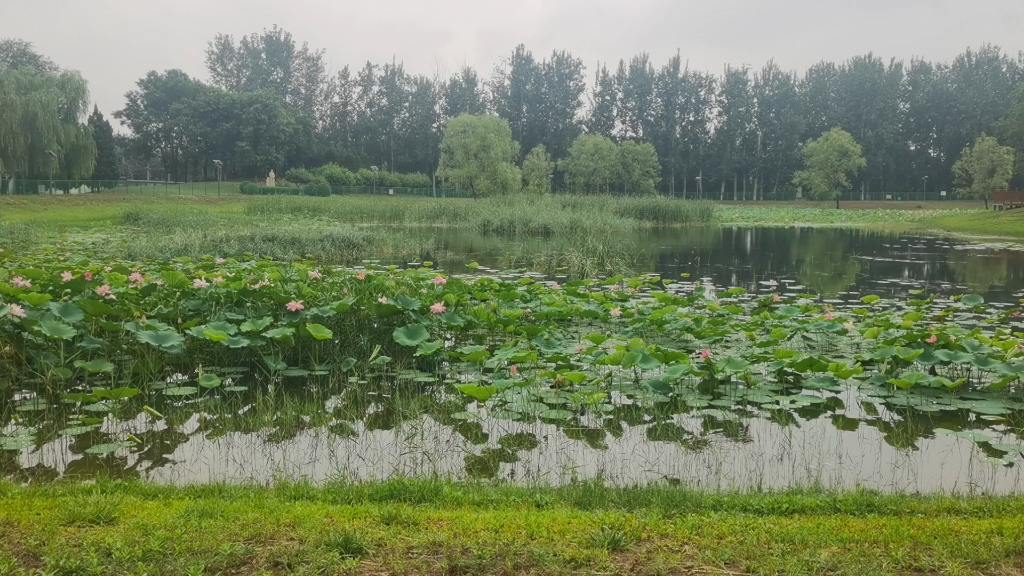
375	170
53	162
220	166
924	191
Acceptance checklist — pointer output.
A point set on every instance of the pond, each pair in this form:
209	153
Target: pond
828	261
805	398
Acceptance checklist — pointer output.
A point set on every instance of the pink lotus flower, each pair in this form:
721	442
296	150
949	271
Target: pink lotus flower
1020	347
829	316
437	308
776	298
220	261
314	274
952	338
361	276
87	276
106	292
439	281
616	287
932	339
16	310
107	269
295	306
705	354
66	276
556	286
513	370
218	280
19	282
383	299
849	326
136	278
615	312
200	283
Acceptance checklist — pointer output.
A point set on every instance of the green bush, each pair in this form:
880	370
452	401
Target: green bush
337	175
247	187
301	176
322	190
416	180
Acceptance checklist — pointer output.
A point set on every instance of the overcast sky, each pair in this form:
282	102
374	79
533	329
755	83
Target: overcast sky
115	42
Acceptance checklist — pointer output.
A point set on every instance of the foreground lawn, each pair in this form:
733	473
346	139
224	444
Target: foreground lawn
436	527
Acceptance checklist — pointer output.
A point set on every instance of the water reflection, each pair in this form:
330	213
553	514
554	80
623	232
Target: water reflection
722	436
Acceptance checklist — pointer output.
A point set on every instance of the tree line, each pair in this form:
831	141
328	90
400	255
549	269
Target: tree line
271	103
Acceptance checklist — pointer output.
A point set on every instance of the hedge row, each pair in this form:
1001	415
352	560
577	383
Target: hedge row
254	189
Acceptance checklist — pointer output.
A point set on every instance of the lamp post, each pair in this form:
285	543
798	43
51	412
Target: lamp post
53	163
375	171
924	189
219	166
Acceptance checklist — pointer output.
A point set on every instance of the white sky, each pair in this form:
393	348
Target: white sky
115	42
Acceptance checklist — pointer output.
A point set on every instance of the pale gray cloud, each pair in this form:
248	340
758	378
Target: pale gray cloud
115	42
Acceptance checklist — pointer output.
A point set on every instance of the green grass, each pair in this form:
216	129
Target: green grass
991	223
439	527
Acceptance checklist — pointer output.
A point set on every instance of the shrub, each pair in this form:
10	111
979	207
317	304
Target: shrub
247	187
416	180
321	190
364	177
302	176
337	175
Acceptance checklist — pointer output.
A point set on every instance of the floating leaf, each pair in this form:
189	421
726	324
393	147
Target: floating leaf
209	381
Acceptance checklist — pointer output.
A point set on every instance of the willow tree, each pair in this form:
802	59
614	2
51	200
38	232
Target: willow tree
42	129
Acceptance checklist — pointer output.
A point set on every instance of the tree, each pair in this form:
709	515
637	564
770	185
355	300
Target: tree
639	170
42	116
463	94
19	54
1011	130
829	162
477	154
106	155
734	139
778	124
603	100
537	171
983	169
270	60
592	165
636	104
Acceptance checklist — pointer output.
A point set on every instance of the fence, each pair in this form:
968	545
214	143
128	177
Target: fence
144	187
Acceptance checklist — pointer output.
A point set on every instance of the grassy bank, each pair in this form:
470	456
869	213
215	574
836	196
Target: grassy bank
436	527
546	216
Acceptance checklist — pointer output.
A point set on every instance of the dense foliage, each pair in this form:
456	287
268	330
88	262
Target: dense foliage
829	162
983	168
42	126
275	104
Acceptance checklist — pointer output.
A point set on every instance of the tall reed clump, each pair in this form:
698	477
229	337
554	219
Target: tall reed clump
171	233
552	215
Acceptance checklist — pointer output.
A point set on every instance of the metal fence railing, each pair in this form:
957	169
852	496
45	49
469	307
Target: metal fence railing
156	188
